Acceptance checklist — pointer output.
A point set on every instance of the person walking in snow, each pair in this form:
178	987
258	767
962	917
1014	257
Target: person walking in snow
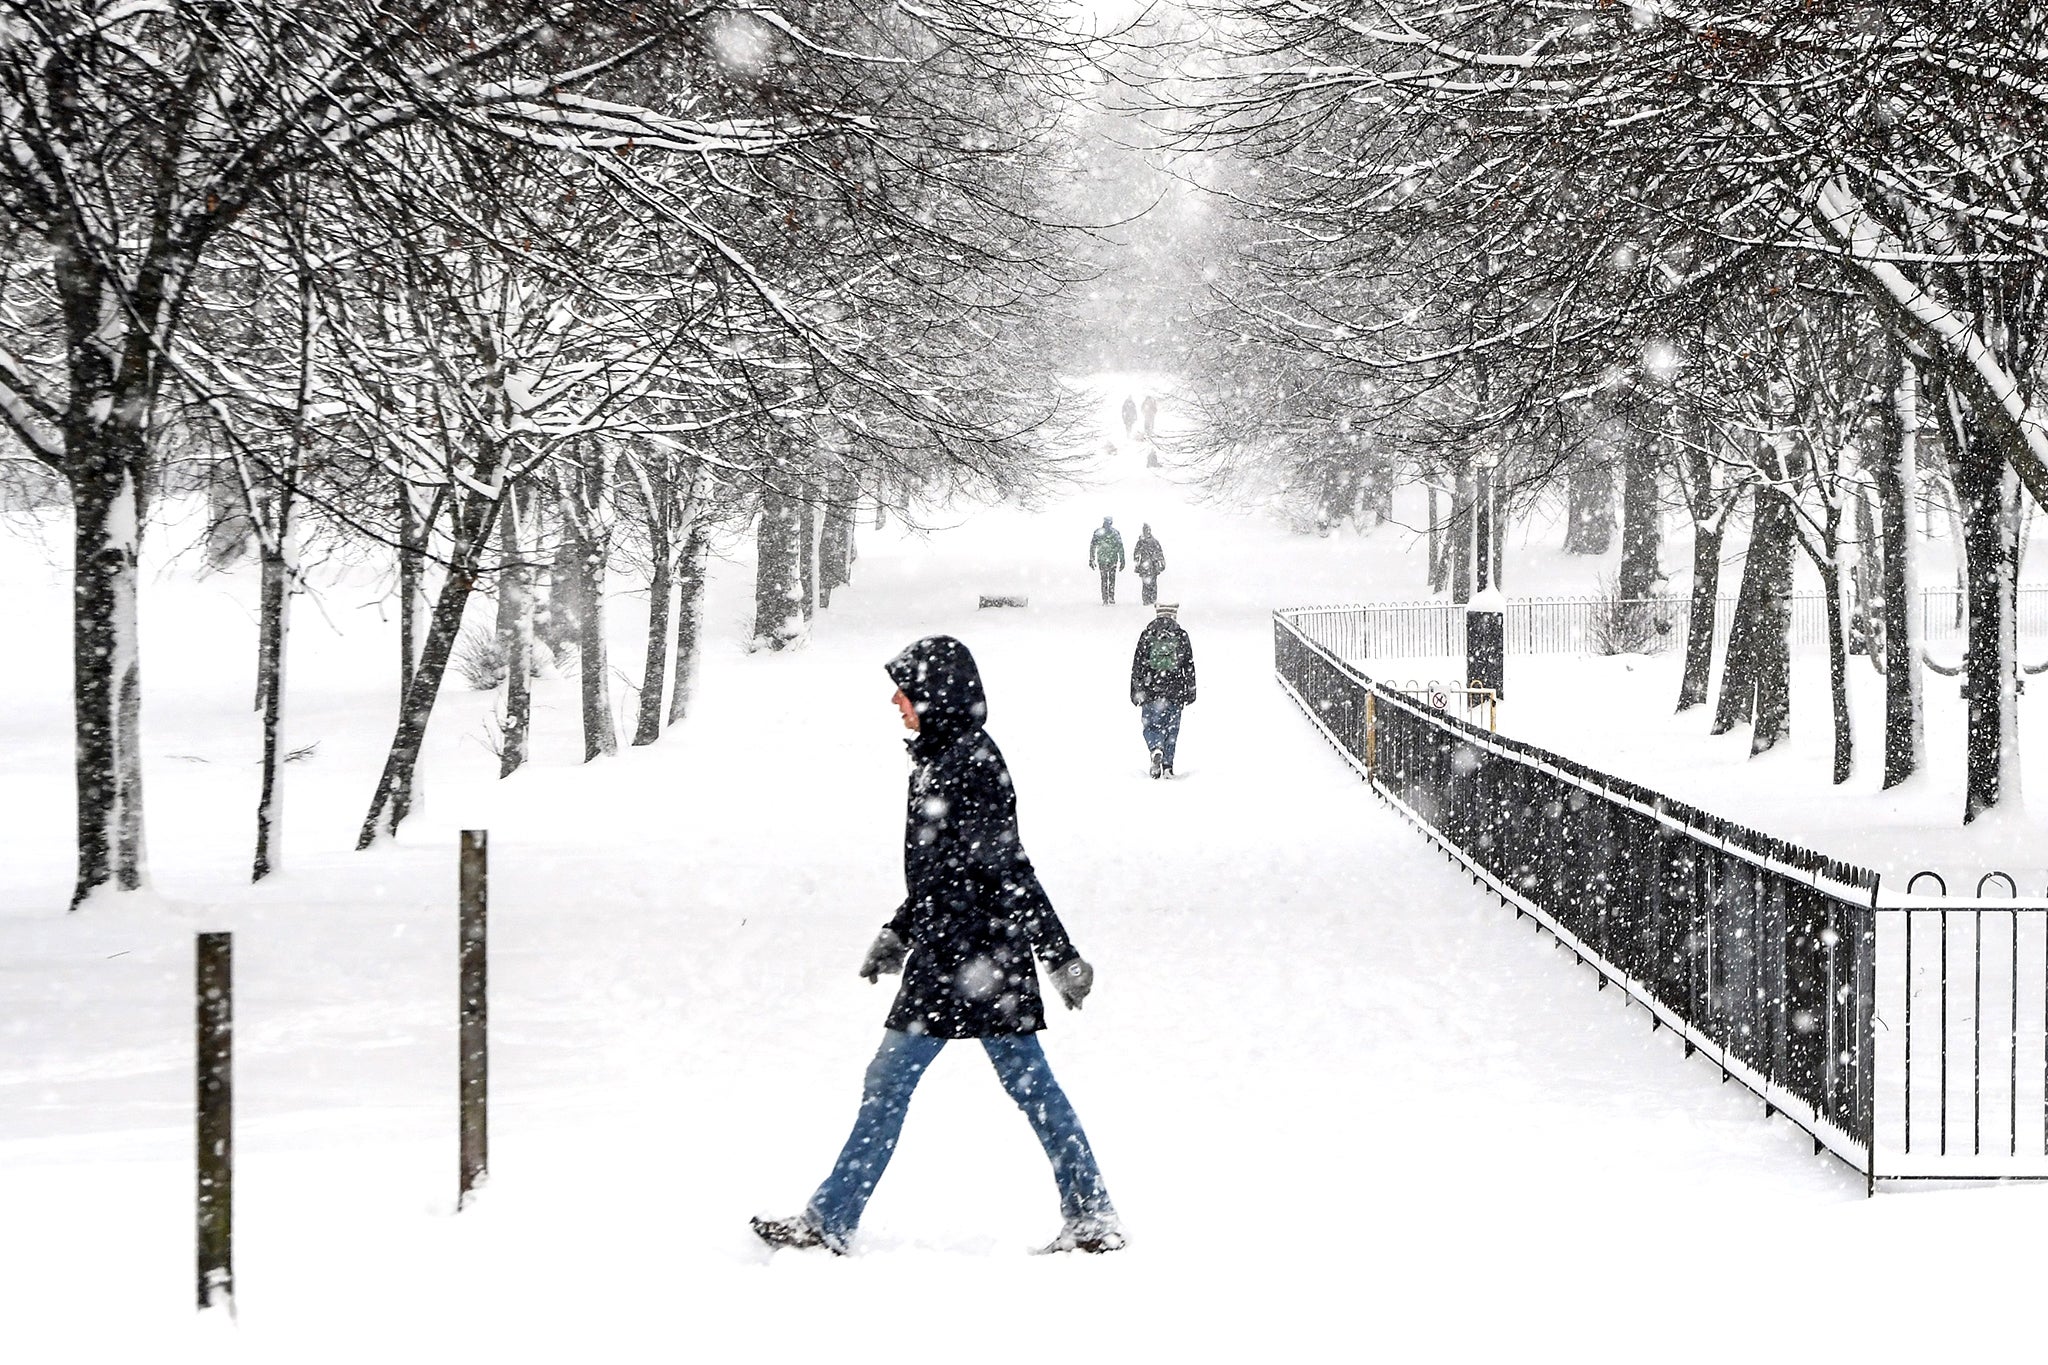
1151	414
1106	552
964	940
1130	416
1148	561
1162	684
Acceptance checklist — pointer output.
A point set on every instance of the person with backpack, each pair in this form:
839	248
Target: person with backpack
1162	684
964	940
1106	552
1148	561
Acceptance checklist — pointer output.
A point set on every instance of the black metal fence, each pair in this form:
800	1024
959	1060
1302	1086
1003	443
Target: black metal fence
1760	953
1963	1056
1587	625
1907	1033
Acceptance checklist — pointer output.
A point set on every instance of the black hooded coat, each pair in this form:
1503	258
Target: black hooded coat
976	914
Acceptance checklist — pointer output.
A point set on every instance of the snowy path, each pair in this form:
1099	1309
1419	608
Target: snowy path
1349	1108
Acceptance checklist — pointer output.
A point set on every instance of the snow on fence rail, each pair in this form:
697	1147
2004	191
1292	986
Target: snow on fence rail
1906	1034
1576	625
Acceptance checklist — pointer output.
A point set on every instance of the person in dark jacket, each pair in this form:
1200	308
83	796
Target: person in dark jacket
1106	552
1148	561
1162	684
964	939
1130	415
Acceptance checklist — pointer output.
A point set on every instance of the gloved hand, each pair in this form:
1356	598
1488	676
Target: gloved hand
886	955
1073	979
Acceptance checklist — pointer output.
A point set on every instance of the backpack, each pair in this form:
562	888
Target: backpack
1163	654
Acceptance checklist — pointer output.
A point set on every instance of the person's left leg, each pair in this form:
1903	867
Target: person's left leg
1169	731
891	1078
1151	715
1021	1066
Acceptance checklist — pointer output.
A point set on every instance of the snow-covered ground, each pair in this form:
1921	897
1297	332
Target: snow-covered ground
1348	1107
1787	791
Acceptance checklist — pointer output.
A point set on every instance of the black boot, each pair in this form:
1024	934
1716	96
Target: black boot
798	1233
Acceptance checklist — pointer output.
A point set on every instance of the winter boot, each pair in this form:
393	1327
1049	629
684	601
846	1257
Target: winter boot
1158	763
1092	1235
799	1233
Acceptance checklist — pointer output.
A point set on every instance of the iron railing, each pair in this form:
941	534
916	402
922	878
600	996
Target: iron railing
1963	1060
1908	1035
1593	625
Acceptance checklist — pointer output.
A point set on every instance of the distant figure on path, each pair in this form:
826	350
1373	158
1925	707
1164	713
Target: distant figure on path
1162	684
1151	414
964	941
1106	552
1148	561
1130	416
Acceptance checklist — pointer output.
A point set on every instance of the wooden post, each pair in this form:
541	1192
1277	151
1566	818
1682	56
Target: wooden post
214	992
473	1034
1372	737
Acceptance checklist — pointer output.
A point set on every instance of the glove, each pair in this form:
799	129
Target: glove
1073	979
886	955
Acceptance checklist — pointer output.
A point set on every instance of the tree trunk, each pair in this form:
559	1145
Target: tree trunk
599	737
1737	702
1460	533
1770	556
107	677
835	550
412	563
415	535
1589	508
1706	594
273	629
807	558
1709	526
1958	539
565	591
660	592
690	572
581	494
1437	562
778	619
1640	540
1866	585
1499	521
1899	605
515	635
394	785
1838	667
1987	494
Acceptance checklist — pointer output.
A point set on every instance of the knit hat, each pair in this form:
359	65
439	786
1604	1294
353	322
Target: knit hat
1168	608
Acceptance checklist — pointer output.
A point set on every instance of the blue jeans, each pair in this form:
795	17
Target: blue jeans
1161	718
885	1098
